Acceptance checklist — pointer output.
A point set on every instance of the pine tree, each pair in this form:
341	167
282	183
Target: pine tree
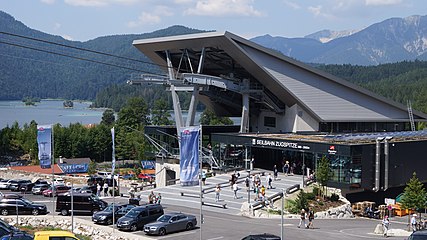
323	173
414	196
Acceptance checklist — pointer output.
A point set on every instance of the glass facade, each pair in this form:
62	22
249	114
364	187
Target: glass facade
345	169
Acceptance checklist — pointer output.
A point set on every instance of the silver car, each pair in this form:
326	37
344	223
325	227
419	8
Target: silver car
171	222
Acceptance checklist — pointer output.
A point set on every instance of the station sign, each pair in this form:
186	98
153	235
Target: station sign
281	144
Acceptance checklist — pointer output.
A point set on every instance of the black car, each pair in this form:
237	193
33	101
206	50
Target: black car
24	206
17	236
418	235
16	185
27	187
265	236
137	217
106	216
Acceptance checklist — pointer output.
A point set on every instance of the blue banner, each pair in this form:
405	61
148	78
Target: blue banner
189	155
74	168
148	164
113	160
44	141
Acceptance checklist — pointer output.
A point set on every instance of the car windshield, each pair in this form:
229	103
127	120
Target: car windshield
133	213
110	208
164	218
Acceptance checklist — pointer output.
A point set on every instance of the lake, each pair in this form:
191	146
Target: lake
52	112
48	112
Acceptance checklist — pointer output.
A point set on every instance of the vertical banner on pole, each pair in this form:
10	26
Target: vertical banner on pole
189	155
44	141
113	162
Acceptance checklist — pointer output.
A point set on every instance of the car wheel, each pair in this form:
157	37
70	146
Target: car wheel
133	227
35	212
189	226
162	231
64	212
109	221
4	212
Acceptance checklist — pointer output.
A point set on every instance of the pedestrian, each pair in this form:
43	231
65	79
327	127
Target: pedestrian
275	172
158	198
286	168
203	178
248	183
217	192
292	169
414	222
302	218
386	224
235	188
262	190
151	197
269	180
310	218
131	192
105	189
98	189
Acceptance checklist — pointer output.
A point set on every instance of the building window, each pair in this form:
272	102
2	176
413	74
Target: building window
270	122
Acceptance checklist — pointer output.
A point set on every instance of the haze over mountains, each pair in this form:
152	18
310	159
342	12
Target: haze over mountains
36	73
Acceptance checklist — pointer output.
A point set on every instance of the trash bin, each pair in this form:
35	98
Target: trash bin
134	201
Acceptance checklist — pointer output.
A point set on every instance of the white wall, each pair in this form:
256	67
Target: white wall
161	172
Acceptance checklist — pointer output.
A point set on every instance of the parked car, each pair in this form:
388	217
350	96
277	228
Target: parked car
39	188
24	206
8	226
18	236
26	187
418	235
265	236
16	185
57	190
4	184
47	235
171	222
82	203
106	216
58	181
137	217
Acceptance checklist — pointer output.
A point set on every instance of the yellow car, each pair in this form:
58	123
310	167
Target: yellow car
46	235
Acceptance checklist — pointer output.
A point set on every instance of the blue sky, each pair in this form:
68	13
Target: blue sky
83	20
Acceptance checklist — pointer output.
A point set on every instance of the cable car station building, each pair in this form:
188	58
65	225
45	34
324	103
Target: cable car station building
289	111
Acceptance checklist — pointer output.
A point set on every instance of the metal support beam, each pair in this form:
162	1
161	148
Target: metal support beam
244	122
193	106
175	99
201	61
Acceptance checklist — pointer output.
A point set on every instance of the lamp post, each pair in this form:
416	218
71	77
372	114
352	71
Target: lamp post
303	168
249	187
281	213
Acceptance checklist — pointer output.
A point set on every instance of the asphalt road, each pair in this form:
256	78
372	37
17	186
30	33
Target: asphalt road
218	225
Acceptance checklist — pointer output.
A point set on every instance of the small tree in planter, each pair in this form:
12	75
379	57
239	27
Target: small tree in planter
414	196
323	174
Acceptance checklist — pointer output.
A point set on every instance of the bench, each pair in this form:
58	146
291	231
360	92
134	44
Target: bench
293	188
188	194
215	204
270	199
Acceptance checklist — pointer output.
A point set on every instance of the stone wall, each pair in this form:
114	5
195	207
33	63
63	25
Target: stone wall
96	232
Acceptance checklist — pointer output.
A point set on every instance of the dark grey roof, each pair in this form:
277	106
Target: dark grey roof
76	160
327	98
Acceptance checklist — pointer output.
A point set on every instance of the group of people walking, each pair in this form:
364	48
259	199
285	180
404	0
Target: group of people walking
306	215
104	188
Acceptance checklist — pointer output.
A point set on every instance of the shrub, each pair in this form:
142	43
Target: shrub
334	197
316	191
310	196
290	205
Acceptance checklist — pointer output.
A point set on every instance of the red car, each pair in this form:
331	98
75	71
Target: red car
58	190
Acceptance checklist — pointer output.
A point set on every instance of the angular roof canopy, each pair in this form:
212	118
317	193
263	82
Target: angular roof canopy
283	80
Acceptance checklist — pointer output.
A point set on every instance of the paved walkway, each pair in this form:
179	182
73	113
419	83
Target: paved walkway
172	194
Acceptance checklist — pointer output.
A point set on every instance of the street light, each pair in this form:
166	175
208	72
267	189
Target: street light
249	188
303	167
281	213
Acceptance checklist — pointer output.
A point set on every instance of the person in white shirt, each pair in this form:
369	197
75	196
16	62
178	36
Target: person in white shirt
235	188
386	224
414	222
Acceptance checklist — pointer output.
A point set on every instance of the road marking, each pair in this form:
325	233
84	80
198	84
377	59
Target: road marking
215	238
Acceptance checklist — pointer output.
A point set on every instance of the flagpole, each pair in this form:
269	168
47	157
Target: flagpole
53	173
113	166
200	180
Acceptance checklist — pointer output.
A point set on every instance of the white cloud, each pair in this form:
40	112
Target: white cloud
318	12
48	1
223	7
56	26
381	2
98	3
292	5
153	17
